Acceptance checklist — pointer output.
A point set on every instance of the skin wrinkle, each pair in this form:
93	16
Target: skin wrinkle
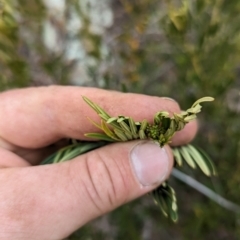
121	188
89	171
85	185
97	172
101	171
72	176
113	196
124	181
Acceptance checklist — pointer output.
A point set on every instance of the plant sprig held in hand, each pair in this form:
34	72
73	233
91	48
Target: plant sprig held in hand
124	128
161	131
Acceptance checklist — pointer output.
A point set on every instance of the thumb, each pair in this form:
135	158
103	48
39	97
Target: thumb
52	201
118	173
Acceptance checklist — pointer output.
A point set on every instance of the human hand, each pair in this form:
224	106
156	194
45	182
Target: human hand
52	201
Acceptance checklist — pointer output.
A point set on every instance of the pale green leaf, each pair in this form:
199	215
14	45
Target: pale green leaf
208	161
204	99
187	157
177	156
133	128
112	119
108	131
104	117
97	108
144	124
125	127
90	103
196	156
94	123
160	202
142	134
99	136
128	135
57	157
72	151
190	118
196	109
120	134
120	119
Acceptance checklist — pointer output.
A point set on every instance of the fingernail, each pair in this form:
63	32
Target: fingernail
150	163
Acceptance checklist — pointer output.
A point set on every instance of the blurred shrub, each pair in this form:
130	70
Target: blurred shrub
183	49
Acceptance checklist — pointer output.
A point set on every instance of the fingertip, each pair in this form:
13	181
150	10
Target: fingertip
186	135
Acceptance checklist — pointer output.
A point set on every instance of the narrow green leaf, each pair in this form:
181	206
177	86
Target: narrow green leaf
173	194
142	134
144	124
113	123
125	127
112	119
166	191
94	123
204	99
120	134
102	112
160	202
133	128
71	154
57	156
169	192
97	108
171	209
174	206
173	215
181	125
90	103
73	151
99	136
183	113
104	117
107	131
187	157
208	161
128	135
120	119
196	156
190	118
194	110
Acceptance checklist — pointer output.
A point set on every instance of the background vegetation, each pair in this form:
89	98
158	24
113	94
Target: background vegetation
181	49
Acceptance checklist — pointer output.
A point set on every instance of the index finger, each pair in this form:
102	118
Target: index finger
39	116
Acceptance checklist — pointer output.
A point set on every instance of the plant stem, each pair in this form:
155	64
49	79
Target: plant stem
206	191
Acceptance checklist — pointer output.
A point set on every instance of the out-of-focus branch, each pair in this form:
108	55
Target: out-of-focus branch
205	191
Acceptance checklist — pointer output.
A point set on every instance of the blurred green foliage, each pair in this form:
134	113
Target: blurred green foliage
181	49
